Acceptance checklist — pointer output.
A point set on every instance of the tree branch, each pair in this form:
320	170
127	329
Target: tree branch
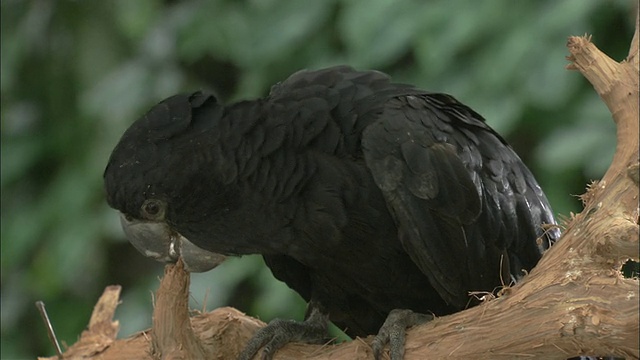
172	336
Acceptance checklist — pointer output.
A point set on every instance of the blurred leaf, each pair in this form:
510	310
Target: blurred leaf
277	299
136	306
23	27
377	32
251	34
119	92
23	155
590	142
20	235
135	17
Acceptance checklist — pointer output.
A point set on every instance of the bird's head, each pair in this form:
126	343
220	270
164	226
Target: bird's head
141	177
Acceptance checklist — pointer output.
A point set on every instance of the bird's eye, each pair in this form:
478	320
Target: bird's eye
153	209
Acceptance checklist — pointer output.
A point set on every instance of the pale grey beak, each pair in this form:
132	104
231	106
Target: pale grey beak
158	241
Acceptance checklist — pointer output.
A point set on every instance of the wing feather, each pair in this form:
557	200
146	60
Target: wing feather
467	209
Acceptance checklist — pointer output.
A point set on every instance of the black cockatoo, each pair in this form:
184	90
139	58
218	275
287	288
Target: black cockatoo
381	204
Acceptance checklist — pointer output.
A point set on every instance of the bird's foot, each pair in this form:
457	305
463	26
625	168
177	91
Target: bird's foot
393	332
280	332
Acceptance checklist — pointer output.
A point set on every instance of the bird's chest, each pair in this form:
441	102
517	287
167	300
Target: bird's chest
351	249
343	250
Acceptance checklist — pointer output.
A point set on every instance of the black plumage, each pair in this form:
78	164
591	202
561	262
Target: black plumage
362	195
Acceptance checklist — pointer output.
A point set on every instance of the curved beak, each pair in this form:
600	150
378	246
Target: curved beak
158	241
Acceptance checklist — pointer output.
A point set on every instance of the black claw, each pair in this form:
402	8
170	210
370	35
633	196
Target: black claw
274	345
259	339
281	332
393	331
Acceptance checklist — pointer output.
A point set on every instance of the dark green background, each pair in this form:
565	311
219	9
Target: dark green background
75	74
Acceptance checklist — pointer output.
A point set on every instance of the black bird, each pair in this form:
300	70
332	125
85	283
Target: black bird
362	195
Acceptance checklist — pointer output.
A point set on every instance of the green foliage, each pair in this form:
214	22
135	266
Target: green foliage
75	74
